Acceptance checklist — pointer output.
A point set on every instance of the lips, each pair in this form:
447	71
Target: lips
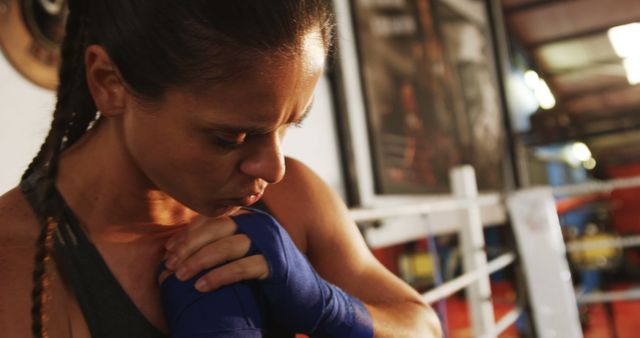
244	201
251	199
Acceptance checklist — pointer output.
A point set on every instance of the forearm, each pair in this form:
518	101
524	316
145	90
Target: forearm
334	245
404	319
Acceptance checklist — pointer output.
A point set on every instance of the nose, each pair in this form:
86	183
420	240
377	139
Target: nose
265	160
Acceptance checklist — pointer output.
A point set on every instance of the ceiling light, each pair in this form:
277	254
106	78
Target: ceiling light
575	153
531	78
580	151
589	164
632	67
540	90
624	39
544	95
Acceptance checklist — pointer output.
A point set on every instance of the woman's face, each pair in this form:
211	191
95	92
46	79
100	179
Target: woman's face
217	149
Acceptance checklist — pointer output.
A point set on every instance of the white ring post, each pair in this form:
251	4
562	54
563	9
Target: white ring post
543	255
474	258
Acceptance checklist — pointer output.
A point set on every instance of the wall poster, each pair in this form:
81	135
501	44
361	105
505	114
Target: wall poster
430	91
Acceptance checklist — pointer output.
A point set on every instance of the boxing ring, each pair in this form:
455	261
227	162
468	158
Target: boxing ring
541	250
541	253
465	205
629	241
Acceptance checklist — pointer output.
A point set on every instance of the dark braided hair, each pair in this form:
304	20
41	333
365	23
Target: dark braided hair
73	112
155	45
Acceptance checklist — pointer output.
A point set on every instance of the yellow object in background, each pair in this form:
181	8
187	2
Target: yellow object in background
417	268
594	255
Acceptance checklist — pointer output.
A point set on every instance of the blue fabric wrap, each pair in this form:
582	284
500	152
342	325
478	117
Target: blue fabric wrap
231	311
297	297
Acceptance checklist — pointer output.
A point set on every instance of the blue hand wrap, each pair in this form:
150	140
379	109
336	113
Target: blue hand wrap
297	297
228	312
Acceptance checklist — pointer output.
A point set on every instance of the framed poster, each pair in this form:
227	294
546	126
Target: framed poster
466	31
407	91
429	100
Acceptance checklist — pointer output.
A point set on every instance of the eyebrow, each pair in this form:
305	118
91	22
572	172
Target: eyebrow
233	129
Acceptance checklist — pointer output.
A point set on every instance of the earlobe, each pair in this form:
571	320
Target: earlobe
104	81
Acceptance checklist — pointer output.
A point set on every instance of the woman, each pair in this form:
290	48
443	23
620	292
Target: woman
194	98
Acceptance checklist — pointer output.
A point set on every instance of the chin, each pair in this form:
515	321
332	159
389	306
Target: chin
219	211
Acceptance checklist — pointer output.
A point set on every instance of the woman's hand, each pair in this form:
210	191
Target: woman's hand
212	243
296	296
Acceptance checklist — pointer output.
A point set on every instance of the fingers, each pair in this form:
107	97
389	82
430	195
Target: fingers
209	243
163	275
213	254
251	267
196	236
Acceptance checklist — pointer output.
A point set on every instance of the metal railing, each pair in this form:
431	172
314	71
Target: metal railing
466	205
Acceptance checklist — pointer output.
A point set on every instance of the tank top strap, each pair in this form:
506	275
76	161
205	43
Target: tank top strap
107	309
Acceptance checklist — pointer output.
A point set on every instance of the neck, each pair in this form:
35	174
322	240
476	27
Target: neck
109	193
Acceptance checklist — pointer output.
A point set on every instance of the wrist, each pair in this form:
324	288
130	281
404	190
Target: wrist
349	318
363	324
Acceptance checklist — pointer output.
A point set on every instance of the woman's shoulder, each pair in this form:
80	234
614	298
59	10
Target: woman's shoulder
300	184
18	223
303	203
18	233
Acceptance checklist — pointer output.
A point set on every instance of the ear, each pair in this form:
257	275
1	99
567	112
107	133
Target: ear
104	81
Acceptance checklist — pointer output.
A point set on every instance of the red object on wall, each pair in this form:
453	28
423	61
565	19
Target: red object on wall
625	203
389	257
568	204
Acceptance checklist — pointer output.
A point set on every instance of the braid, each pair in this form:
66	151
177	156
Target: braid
74	111
40	281
75	108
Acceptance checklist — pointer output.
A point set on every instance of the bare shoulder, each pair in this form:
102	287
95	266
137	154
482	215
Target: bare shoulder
18	223
302	202
18	233
301	187
309	209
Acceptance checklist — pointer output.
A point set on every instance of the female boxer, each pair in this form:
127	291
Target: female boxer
169	119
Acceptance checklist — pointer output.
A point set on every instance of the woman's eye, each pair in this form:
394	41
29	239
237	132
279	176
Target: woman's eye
230	141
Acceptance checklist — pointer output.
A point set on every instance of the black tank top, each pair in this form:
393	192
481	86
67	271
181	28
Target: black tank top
107	309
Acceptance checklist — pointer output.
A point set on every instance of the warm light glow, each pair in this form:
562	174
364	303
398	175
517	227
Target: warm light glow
540	90
580	151
589	164
575	154
624	39
531	78
544	95
632	67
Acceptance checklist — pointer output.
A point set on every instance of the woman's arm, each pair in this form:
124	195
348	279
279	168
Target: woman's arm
320	224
